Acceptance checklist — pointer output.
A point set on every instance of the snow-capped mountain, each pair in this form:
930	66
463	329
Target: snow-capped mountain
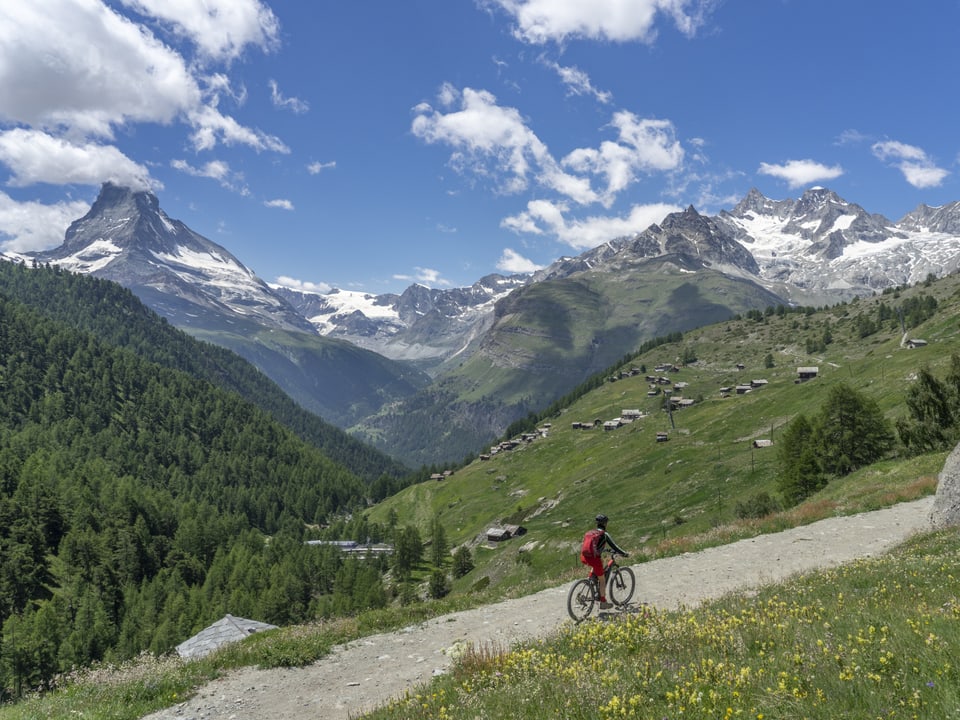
510	331
203	289
697	239
423	325
127	238
819	248
822	248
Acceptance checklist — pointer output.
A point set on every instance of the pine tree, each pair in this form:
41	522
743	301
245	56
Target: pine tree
931	421
438	542
462	561
800	472
851	431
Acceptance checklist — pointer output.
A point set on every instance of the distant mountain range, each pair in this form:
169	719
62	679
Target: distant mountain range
464	363
817	250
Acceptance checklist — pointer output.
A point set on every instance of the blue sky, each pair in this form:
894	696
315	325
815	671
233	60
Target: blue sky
369	144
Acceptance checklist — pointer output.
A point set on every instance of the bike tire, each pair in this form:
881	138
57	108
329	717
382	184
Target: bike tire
580	600
621	586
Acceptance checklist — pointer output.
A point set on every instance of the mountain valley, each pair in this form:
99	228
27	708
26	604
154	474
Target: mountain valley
430	376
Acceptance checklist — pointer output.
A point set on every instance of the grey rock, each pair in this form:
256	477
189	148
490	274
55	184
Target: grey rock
945	511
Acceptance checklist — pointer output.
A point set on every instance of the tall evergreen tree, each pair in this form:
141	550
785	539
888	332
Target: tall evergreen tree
851	431
438	542
800	472
931	423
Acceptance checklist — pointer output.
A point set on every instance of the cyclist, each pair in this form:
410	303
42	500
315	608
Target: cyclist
594	541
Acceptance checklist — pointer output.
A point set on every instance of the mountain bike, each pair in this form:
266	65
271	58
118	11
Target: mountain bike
585	592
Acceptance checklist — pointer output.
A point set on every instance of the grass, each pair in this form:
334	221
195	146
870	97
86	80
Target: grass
147	684
838	643
689	487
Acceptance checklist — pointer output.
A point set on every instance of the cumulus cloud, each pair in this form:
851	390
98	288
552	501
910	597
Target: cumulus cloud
917	167
79	70
34	156
797	173
542	216
541	21
282	204
642	146
487	139
211	127
221	29
513	262
493	142
31	226
76	74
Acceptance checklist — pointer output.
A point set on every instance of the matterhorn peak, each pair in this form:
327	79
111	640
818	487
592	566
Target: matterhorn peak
126	237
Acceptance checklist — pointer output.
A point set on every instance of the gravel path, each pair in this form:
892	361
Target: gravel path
365	673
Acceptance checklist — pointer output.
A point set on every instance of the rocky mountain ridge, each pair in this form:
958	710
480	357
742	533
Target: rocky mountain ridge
814	250
126	237
200	287
466	362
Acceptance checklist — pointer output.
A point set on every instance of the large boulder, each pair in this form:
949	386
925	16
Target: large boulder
946	505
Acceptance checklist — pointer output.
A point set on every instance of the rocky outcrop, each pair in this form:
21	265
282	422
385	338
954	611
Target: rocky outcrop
946	505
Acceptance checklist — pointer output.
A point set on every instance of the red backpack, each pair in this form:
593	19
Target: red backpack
591	544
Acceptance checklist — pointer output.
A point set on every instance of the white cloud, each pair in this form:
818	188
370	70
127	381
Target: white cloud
33	226
79	69
801	172
424	276
488	139
315	168
210	126
279	203
34	156
221	29
578	82
513	262
320	288
295	104
643	145
541	21
494	142
215	169
917	167
77	66
851	137
218	170
542	217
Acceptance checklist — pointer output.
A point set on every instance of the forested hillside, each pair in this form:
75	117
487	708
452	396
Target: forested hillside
138	504
117	317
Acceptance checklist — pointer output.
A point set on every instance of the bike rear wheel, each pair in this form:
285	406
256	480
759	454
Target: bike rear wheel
621	586
580	600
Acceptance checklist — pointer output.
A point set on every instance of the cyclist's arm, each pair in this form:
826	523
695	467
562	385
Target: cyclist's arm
613	545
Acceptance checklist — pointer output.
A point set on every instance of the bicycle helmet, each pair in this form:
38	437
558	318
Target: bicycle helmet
602	521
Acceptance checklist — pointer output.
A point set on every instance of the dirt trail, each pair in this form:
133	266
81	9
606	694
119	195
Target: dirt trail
363	674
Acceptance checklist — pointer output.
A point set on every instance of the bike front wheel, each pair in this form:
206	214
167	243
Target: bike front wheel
580	600
621	586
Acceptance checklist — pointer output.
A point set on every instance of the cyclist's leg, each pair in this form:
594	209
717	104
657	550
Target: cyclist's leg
596	570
